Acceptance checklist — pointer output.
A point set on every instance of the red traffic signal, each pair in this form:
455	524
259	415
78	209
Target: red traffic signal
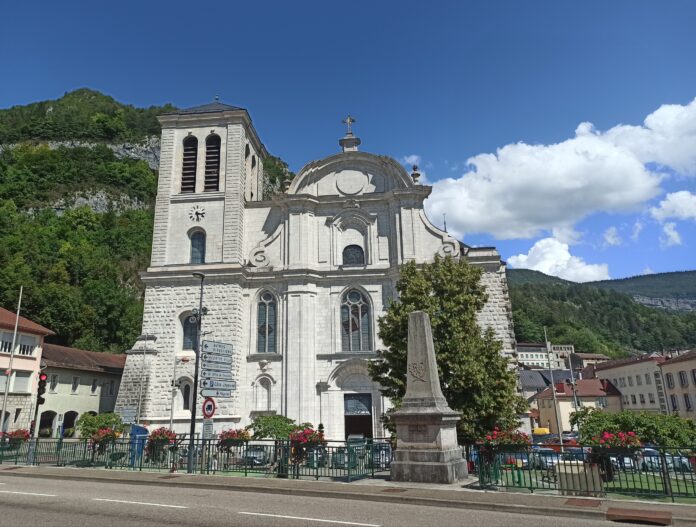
43	377
41	388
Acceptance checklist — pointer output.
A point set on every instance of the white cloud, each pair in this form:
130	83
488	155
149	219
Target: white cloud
647	270
553	257
524	190
410	160
678	205
637	227
670	235
611	236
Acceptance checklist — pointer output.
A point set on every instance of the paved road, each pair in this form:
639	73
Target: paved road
56	503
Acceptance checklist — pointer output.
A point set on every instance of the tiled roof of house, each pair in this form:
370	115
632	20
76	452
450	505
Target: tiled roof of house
532	380
584	388
689	355
616	363
7	321
77	359
591	356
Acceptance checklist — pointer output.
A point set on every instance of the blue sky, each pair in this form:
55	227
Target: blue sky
442	82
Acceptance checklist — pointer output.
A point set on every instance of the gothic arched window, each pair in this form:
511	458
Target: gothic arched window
189	333
188	165
353	255
186	396
263	394
266	342
212	163
355	322
198	247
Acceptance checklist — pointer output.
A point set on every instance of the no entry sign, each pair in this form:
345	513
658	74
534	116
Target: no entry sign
208	408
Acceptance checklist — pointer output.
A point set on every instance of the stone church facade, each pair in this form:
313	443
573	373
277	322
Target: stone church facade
295	281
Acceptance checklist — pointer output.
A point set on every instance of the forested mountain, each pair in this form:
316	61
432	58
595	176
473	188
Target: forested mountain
79	264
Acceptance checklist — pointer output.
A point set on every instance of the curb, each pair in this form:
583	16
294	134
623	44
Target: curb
539	511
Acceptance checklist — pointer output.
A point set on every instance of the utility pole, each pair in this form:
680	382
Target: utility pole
553	391
197	317
5	419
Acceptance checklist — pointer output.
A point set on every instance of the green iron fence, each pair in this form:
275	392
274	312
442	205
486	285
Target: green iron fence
651	472
334	460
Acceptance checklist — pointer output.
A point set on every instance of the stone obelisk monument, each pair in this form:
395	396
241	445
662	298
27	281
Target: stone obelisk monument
426	427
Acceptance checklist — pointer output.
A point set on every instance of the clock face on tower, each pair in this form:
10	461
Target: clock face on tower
197	213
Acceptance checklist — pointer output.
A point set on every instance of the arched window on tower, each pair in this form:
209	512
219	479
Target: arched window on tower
212	163
355	322
189	333
197	247
353	255
188	166
266	342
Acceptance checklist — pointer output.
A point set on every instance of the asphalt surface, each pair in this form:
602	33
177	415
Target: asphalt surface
56	503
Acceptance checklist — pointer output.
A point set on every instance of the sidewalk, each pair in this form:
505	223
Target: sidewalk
380	490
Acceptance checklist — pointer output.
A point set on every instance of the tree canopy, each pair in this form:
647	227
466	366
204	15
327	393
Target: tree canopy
476	379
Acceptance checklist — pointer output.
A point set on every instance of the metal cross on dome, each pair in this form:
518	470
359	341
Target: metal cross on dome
348	121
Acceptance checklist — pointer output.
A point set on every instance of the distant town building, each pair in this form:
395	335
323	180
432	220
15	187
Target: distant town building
638	380
590	393
25	367
79	382
579	361
536	354
679	377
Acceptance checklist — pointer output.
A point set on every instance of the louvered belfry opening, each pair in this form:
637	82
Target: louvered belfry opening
188	168
212	163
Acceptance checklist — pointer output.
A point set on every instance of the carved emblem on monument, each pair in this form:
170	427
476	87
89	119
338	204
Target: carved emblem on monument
417	371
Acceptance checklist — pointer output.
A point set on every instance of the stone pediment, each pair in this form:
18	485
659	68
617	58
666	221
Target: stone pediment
350	174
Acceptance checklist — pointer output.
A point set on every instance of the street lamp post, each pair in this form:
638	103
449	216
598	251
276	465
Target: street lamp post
197	317
144	338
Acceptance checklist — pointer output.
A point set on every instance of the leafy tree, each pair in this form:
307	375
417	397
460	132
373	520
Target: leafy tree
88	424
275	172
657	429
272	427
476	379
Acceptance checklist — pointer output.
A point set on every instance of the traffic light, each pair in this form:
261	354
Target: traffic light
42	388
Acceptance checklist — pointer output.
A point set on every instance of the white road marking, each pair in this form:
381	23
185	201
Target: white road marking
26	493
309	519
142	503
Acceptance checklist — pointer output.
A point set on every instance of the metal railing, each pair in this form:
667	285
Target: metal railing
651	472
336	460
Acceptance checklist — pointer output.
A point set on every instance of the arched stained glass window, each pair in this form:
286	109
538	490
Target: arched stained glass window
267	317
189	333
188	166
198	247
355	322
353	255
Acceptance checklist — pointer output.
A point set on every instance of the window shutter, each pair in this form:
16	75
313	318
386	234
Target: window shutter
188	168
212	164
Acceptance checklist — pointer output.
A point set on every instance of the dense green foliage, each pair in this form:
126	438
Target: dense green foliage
657	429
528	276
88	424
596	320
36	176
275	172
83	114
275	427
475	377
661	285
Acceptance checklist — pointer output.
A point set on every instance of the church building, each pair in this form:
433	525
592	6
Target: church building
295	280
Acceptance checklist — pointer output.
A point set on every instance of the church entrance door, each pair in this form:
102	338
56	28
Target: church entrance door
358	414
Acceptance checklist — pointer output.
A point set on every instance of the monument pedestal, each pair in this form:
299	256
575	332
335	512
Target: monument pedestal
426	428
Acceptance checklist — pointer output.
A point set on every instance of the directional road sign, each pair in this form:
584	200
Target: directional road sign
220	385
221	359
216	366
127	414
208	430
217	348
224	394
219	375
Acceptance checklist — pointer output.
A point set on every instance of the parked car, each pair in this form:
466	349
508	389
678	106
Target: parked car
257	455
675	462
543	458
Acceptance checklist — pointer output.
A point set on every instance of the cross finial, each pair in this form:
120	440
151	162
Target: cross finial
217	97
348	121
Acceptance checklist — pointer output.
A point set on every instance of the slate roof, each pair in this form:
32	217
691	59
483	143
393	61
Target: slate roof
77	359
211	107
531	380
628	360
558	375
592	356
7	321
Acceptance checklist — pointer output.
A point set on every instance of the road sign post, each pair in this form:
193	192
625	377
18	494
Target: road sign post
216	374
